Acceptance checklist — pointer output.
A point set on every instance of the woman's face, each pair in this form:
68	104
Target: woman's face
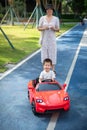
49	11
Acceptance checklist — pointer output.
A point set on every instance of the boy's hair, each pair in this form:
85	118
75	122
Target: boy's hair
47	60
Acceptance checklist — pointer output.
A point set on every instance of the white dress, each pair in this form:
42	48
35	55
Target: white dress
48	39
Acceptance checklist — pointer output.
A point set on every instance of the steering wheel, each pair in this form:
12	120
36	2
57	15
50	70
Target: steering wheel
47	80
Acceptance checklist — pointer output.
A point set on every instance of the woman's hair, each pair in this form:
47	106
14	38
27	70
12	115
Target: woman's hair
48	61
49	6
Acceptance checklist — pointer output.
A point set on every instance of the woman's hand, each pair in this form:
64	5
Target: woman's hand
43	28
53	28
46	27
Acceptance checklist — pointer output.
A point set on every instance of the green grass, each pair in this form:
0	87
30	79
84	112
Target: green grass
24	41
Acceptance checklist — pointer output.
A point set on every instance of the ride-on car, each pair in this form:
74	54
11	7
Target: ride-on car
47	96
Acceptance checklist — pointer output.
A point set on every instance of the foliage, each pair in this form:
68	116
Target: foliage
23	7
70	17
66	8
2	11
85	4
19	7
77	6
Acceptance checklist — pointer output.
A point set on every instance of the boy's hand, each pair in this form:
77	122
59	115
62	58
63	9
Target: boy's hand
53	80
40	80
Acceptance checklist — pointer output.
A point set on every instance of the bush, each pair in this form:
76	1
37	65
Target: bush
69	16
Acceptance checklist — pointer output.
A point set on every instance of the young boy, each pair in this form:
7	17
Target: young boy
47	73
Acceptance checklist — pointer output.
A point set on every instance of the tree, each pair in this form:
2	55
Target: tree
57	4
85	4
78	6
2	11
19	6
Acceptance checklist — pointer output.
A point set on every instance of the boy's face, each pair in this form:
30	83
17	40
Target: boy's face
47	66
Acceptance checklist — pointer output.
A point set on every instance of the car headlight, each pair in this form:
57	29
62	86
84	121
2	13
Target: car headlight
66	98
39	100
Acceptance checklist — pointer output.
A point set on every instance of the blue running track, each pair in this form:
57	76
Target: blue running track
15	109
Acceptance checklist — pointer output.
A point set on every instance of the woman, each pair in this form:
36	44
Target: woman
48	25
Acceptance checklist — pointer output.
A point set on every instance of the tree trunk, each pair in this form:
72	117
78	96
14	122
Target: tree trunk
38	2
10	2
44	2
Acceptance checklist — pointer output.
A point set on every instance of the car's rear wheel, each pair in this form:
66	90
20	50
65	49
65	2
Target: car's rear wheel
34	108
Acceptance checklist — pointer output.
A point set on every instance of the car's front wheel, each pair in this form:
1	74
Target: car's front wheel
33	108
28	95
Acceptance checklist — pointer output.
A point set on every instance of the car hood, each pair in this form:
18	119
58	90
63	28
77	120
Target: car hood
51	97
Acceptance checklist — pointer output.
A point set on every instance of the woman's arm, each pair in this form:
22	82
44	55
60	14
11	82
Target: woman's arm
41	27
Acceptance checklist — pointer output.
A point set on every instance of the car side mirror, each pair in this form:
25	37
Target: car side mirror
30	85
64	86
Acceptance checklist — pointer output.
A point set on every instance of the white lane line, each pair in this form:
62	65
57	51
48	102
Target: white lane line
53	120
74	60
84	43
55	117
19	64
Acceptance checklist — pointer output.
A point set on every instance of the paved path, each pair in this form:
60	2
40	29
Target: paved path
15	110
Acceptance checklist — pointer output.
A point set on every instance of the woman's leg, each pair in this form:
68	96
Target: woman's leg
53	68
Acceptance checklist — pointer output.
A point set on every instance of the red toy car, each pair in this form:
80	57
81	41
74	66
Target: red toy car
47	96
